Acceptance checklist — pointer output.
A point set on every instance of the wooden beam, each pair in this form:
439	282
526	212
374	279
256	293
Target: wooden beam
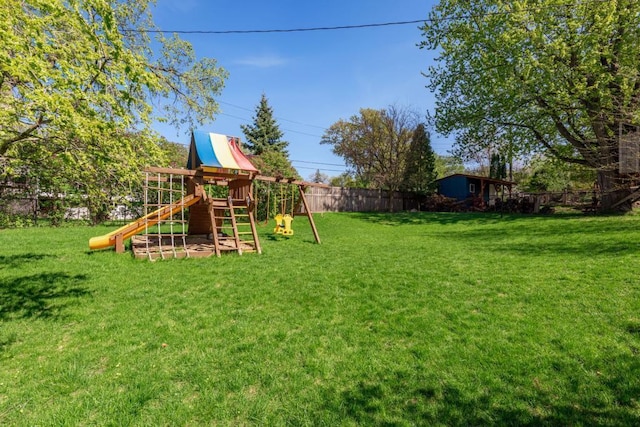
174	171
301	189
635	194
291	181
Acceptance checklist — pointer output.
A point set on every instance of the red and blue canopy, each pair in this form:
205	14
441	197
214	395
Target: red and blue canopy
218	151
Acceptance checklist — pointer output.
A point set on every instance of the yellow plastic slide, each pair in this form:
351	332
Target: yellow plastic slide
133	228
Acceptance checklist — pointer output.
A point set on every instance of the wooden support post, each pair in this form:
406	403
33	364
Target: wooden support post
214	228
301	189
234	225
119	244
251	207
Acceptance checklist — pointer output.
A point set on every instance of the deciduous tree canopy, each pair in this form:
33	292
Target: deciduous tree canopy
77	77
375	144
557	76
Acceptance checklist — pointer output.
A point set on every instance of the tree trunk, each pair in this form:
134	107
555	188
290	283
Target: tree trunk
614	189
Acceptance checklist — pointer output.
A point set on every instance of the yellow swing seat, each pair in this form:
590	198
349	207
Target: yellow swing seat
283	225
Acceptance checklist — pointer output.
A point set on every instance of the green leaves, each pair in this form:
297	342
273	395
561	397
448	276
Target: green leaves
80	77
376	144
552	76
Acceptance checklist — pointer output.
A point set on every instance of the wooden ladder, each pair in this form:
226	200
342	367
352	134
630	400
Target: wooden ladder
233	221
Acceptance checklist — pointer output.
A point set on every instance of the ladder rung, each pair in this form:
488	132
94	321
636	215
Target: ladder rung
244	232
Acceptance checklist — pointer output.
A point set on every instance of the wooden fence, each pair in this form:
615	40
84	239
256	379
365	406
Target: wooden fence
562	198
338	199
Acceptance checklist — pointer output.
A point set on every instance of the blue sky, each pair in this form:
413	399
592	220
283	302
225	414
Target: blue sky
311	79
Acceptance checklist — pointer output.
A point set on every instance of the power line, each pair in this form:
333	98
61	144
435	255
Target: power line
318	163
279	118
360	26
288	30
327	170
244	119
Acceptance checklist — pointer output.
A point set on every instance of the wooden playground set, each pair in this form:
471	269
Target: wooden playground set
185	214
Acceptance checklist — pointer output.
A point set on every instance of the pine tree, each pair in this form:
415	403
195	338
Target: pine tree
498	166
420	172
264	134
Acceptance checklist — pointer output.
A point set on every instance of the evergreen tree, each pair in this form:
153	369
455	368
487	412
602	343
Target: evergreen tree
498	166
319	177
264	140
264	134
420	173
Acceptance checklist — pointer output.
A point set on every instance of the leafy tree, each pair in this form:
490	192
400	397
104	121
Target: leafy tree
498	166
375	144
276	164
448	165
176	154
271	197
319	177
557	77
264	134
420	173
552	175
344	180
78	82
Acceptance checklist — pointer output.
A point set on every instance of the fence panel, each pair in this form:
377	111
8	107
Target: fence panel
338	199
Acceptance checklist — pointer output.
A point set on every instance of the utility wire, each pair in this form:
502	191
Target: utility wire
318	163
373	25
289	30
244	119
320	169
279	118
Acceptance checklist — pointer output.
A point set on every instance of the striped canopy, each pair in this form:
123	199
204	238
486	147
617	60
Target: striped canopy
216	150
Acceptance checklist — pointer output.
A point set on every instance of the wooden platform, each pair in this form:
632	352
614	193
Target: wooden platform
197	246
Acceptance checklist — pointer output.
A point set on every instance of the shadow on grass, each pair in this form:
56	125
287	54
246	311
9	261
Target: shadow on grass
467	218
392	402
443	218
564	234
15	261
39	296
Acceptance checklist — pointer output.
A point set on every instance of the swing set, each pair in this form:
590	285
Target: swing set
285	217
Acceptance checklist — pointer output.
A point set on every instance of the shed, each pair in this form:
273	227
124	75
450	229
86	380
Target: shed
463	187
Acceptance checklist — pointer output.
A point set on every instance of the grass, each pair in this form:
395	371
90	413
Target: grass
396	319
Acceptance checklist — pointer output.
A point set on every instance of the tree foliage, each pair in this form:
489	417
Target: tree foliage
274	163
546	75
264	134
375	145
345	179
543	174
78	83
448	165
420	170
175	154
319	177
498	166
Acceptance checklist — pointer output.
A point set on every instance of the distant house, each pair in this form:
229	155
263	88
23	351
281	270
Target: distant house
464	187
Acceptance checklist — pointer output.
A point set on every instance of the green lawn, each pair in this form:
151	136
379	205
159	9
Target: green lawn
406	319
